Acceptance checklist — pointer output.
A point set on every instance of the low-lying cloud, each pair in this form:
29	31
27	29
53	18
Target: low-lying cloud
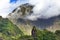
44	9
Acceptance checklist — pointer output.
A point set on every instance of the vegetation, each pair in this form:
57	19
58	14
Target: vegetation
58	34
44	35
9	31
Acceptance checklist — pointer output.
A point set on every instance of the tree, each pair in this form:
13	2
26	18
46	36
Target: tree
57	32
47	35
0	17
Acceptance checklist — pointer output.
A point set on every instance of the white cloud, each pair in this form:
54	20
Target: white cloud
44	9
4	5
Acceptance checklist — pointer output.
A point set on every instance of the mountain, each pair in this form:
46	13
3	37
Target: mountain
18	17
9	31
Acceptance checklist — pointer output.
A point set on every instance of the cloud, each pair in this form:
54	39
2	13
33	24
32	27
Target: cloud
7	7
44	9
4	5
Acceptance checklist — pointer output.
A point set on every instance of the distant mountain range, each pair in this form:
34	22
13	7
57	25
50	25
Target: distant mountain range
18	17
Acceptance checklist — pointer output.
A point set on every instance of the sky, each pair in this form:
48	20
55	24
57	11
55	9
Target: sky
7	6
13	1
42	9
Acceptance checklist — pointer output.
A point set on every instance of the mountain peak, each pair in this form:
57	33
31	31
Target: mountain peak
18	17
22	11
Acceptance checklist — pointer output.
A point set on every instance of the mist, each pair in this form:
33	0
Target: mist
44	9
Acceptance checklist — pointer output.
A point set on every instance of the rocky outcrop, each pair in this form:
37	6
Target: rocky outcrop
18	17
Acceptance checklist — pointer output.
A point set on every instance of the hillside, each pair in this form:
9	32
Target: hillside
9	31
18	17
42	35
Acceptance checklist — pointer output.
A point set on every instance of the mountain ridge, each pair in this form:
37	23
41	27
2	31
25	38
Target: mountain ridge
19	14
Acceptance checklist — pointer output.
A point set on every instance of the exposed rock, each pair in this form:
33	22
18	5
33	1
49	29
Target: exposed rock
18	18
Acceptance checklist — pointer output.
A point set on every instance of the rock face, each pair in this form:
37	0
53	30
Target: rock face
18	17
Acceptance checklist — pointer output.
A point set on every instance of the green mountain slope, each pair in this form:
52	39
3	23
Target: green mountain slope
42	35
19	16
9	31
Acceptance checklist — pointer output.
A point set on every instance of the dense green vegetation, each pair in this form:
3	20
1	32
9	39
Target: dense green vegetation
9	31
42	35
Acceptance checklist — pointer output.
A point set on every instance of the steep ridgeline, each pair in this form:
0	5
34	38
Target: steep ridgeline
18	17
9	31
